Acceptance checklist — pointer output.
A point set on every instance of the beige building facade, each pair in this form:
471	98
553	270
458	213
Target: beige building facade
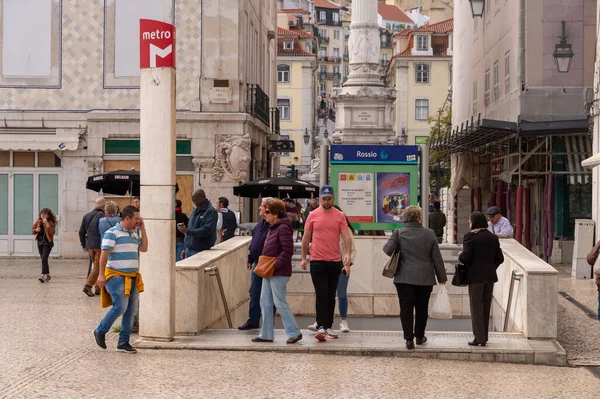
70	104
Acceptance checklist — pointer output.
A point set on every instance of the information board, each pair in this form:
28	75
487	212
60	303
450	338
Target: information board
355	196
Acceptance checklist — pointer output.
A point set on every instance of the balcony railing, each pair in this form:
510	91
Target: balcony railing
257	103
275	129
346	57
329	22
384	63
323	39
328	58
330	76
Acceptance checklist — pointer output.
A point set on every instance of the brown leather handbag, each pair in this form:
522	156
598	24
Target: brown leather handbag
265	266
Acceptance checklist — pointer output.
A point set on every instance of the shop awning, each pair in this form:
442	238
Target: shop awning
475	136
578	149
39	139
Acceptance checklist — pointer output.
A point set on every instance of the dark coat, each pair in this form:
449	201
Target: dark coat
202	228
420	257
280	244
482	255
259	235
94	239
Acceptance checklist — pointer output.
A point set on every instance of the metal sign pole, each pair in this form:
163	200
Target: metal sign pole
424	150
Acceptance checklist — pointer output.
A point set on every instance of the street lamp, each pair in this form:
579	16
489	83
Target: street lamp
563	53
306	136
325	133
477	7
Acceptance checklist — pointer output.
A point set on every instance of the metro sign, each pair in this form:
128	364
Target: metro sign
157	44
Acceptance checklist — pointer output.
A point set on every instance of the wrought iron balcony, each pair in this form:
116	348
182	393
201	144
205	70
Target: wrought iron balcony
323	39
257	103
330	76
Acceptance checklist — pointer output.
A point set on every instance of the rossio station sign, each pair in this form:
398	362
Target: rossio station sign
157	44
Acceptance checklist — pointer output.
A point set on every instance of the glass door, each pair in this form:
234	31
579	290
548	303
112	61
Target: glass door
22	195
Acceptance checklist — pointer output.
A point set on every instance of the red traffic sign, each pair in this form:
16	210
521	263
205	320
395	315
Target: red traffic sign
157	44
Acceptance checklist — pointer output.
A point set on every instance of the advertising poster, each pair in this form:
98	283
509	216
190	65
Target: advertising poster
355	196
393	196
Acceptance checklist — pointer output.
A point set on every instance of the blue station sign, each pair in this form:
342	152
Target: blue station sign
374	154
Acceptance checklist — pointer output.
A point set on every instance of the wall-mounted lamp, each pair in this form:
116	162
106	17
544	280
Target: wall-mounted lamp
477	7
563	52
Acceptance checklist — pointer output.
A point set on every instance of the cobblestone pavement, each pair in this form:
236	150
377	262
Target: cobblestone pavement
47	351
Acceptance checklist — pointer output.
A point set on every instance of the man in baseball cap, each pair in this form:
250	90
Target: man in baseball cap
498	224
324	227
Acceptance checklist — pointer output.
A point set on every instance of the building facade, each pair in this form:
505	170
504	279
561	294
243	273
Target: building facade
520	126
421	72
296	95
70	104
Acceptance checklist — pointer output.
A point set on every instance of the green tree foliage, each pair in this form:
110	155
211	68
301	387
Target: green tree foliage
439	163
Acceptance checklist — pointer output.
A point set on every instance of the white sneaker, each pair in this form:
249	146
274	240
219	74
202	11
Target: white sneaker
344	326
313	327
331	334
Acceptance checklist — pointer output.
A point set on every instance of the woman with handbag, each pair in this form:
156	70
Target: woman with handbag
481	255
592	259
420	262
275	266
43	230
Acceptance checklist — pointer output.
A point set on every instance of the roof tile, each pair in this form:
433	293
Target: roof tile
393	13
298	50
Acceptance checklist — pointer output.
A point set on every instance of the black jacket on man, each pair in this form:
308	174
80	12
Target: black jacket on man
482	255
229	223
93	234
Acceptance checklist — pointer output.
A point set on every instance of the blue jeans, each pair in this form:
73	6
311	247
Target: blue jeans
190	252
179	246
123	305
274	290
342	294
255	290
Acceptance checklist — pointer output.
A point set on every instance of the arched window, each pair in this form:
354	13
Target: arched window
422	73
283	74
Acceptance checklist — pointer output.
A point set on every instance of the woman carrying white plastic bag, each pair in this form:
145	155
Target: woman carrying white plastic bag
441	308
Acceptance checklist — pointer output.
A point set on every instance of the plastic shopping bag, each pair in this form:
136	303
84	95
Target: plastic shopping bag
441	305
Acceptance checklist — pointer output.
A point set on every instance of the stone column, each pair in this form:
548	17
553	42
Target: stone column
364	45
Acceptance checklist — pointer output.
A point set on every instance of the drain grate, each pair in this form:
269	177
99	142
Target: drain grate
588	312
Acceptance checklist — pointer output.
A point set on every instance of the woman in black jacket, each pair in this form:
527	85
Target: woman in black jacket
482	255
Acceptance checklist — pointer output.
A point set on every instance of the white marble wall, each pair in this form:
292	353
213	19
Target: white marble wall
534	304
198	303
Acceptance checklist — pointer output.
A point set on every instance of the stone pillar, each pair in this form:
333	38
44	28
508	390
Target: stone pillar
157	178
364	45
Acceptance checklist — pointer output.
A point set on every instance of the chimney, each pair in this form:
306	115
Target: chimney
437	15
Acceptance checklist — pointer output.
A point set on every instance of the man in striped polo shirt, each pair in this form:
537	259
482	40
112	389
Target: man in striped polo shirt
120	277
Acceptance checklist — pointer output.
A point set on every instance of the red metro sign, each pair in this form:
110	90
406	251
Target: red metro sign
157	44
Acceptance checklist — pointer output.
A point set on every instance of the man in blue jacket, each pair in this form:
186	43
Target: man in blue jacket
201	231
259	234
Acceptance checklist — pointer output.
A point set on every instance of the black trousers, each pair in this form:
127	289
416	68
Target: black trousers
414	298
480	298
325	276
45	250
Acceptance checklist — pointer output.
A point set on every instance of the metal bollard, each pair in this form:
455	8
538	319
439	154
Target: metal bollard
214	271
515	276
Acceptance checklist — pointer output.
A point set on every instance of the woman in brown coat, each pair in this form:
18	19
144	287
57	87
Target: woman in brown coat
43	229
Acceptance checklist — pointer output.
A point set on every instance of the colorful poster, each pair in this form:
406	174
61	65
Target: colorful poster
393	196
355	196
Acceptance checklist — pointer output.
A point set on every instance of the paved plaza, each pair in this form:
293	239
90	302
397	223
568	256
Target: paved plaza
47	351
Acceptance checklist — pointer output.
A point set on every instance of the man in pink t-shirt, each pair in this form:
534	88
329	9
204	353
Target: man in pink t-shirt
324	227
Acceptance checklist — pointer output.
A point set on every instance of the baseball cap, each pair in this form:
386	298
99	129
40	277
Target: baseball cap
493	210
326	191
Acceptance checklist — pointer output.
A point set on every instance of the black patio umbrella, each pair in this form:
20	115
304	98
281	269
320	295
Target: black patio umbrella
279	187
117	182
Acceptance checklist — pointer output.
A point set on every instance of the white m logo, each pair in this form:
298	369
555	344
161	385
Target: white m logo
156	51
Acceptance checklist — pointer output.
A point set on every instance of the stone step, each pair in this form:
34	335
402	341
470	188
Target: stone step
501	347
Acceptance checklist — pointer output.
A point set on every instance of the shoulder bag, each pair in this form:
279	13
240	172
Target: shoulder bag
391	267
460	276
265	266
